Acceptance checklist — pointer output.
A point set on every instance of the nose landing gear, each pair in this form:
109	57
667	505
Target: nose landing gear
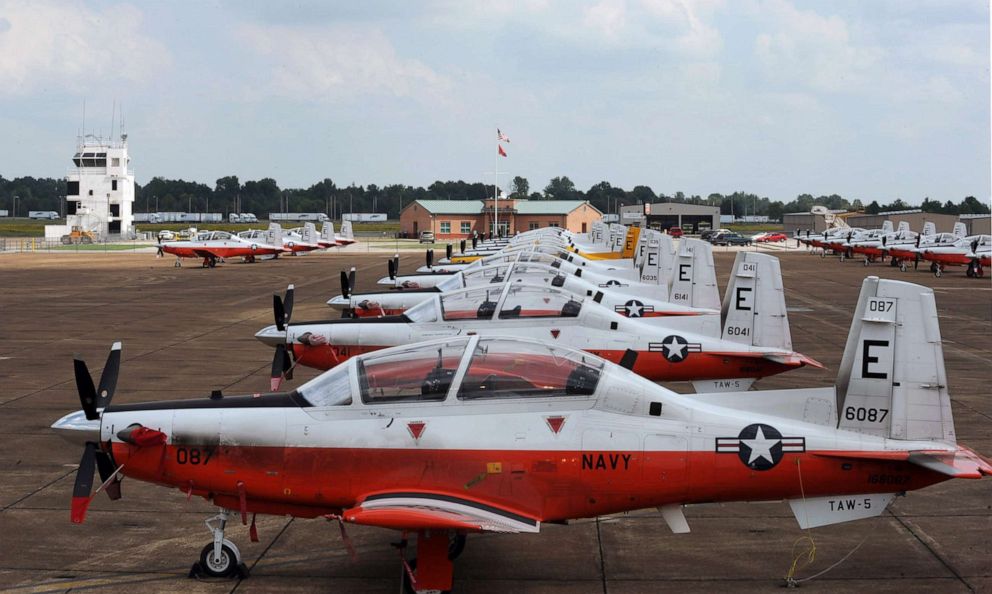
221	557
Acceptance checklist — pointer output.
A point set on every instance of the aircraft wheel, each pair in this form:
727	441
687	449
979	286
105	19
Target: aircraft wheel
456	546
226	566
970	272
980	271
212	263
933	267
841	258
867	262
937	272
902	268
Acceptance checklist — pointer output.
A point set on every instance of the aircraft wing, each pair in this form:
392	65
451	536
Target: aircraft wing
436	511
205	253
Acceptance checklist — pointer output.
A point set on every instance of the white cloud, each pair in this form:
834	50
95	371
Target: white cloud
814	49
338	62
74	47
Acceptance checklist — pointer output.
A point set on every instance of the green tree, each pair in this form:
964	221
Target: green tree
873	208
560	188
520	187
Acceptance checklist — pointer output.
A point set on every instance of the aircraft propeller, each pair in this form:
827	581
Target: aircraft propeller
93	401
448	250
391	266
430	258
462	246
282	360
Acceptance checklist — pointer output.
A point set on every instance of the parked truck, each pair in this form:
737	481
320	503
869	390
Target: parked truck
43	215
147	217
316	217
244	217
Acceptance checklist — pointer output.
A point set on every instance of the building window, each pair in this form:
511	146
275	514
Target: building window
466	227
113	185
552	224
446	227
116	162
72	188
533	225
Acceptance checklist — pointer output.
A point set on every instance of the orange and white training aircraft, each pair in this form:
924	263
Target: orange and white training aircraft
216	246
465	435
755	341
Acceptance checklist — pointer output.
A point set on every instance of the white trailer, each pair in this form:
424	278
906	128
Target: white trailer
364	217
146	217
245	217
316	217
43	215
4	213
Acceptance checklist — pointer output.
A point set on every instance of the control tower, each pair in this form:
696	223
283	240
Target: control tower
100	189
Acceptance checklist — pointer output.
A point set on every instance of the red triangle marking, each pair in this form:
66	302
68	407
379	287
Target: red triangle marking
416	428
555	332
555	423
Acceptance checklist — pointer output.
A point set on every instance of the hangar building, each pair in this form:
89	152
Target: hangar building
457	219
693	218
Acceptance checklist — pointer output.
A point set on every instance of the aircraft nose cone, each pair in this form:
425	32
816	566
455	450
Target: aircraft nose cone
77	429
340	302
271	336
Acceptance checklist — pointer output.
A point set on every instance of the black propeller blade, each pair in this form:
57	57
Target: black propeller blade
391	266
345	285
84	484
108	378
351	280
462	246
282	367
105	466
475	241
430	258
448	251
84	385
282	308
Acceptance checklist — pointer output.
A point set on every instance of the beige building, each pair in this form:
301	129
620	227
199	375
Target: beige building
457	219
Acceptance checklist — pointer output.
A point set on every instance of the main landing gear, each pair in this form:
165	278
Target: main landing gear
209	262
178	263
975	269
436	551
221	557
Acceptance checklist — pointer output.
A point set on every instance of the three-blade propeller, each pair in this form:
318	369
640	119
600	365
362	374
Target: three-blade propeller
94	400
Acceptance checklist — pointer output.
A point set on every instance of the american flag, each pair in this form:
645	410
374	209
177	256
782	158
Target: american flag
502	153
502	137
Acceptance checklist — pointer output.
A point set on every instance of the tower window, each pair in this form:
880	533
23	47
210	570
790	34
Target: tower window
113	185
72	188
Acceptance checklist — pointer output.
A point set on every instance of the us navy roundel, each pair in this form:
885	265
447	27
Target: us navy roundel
675	348
760	446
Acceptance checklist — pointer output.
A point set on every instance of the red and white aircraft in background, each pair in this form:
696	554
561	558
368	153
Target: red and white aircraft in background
927	240
472	434
755	341
215	246
974	252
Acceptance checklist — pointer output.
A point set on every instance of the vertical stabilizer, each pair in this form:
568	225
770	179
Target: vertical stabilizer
693	277
886	227
651	271
309	233
273	235
929	228
327	231
346	230
960	230
903	227
630	242
892	381
754	304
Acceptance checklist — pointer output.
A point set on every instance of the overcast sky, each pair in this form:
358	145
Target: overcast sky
878	99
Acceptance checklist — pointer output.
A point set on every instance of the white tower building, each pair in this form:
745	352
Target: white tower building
100	189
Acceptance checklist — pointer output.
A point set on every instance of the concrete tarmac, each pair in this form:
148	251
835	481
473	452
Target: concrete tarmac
188	331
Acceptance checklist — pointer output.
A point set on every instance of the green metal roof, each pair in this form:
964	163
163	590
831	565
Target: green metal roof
538	207
451	206
524	207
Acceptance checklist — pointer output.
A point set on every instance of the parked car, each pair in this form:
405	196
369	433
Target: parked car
426	237
709	233
730	238
768	237
675	231
166	235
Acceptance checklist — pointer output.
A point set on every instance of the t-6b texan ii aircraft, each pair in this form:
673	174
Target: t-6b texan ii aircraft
216	246
473	434
685	285
755	341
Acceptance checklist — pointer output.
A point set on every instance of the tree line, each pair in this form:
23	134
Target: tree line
229	194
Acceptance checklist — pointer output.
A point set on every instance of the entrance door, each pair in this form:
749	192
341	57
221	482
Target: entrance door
504	229
416	229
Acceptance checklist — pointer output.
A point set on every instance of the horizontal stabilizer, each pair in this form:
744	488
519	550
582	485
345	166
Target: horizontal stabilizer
962	463
812	512
740	384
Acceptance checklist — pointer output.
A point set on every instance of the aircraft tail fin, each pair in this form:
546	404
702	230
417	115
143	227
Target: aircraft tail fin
652	271
693	277
327	231
892	382
630	242
309	233
903	227
887	227
960	230
754	305
642	246
929	228
273	236
346	231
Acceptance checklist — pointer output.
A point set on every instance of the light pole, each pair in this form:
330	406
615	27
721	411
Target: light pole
14	214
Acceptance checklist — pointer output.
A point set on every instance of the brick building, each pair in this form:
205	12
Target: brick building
456	219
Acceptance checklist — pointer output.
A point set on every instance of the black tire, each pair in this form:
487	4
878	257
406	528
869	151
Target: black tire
456	546
228	565
407	586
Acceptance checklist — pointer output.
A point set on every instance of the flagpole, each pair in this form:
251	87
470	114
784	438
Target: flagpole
496	191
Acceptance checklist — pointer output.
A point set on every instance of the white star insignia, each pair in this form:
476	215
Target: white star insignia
760	447
673	347
634	309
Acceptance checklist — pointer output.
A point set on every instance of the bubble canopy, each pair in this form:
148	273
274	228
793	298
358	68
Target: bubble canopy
460	369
